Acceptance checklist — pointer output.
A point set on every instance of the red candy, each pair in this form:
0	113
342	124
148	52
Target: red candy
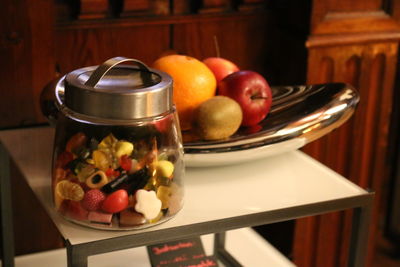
116	201
63	159
76	141
112	173
125	162
93	199
164	124
76	211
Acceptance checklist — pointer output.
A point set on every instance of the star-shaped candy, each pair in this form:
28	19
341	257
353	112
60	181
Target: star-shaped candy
147	204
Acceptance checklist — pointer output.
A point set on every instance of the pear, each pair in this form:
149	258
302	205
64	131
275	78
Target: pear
217	118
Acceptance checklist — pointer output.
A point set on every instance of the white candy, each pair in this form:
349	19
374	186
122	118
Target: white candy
147	204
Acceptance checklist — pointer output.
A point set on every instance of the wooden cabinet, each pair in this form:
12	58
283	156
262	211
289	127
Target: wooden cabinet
354	42
27	61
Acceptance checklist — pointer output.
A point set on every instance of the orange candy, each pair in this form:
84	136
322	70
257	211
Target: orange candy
76	141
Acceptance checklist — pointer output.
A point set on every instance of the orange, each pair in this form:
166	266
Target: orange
194	83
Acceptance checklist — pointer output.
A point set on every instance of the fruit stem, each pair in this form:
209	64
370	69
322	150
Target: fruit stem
253	97
216	46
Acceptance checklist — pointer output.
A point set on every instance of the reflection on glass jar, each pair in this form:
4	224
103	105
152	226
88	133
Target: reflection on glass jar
118	155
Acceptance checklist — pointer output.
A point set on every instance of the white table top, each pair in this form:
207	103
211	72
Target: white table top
211	194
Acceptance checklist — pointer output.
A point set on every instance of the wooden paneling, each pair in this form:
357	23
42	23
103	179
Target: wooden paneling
342	16
215	6
26	54
76	48
93	9
354	5
131	8
197	39
277	54
355	43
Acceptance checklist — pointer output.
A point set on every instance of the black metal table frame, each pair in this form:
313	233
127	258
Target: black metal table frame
77	255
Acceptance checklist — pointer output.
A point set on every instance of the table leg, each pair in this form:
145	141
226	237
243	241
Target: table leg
76	256
221	253
359	234
7	231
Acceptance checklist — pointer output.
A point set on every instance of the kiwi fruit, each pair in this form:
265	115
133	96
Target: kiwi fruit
217	118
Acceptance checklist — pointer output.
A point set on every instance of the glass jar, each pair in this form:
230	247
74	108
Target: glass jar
118	155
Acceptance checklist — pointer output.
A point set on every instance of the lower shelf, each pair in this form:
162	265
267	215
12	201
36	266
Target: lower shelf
248	247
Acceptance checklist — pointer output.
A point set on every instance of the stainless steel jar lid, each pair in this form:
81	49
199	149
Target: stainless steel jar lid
115	91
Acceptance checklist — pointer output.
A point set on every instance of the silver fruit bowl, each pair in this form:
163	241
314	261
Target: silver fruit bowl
298	116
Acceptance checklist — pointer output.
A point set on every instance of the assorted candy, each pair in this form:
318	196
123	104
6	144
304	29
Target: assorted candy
112	182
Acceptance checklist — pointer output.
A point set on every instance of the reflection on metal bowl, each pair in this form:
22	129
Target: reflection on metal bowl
299	115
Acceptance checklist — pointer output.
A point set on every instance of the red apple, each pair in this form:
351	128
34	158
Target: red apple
220	67
251	91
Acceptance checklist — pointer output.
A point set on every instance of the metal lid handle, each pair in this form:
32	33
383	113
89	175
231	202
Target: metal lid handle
102	70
